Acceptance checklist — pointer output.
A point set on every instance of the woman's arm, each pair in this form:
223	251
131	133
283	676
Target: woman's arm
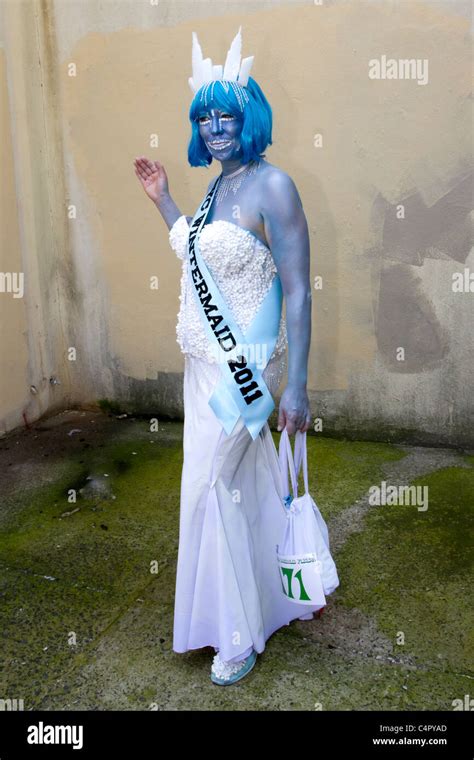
286	230
168	209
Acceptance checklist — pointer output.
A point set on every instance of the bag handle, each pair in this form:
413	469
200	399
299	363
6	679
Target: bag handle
301	457
286	458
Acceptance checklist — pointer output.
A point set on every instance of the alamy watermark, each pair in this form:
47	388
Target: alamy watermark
401	495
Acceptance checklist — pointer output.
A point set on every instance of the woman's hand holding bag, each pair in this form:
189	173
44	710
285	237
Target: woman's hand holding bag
306	567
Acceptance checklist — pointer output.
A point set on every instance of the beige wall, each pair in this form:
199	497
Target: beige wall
76	222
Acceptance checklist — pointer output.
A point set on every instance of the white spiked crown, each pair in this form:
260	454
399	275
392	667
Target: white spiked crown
235	72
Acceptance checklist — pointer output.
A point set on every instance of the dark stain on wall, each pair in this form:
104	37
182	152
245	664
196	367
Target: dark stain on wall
405	315
406	318
445	226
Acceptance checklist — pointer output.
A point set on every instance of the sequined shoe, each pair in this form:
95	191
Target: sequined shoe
225	674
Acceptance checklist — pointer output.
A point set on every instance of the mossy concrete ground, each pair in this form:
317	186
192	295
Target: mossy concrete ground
87	587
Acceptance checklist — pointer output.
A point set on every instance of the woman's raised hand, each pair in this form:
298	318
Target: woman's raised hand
153	178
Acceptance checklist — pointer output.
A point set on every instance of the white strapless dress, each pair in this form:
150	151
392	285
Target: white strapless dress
228	588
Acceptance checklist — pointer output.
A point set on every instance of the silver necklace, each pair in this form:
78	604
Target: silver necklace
233	181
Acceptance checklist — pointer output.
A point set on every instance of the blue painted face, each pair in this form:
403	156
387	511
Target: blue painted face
220	131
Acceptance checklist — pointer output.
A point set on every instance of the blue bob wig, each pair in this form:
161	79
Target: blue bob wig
257	121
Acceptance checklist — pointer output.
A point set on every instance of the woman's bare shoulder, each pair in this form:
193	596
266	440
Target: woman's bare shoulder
272	176
277	187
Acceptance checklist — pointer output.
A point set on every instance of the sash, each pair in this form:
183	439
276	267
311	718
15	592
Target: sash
241	390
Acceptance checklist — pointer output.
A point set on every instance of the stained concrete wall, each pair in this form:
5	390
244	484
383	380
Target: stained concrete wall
384	169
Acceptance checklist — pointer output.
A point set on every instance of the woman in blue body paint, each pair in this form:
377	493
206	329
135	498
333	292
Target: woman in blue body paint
228	590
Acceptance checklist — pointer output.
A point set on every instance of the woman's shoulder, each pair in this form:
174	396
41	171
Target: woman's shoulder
269	179
276	187
269	170
272	177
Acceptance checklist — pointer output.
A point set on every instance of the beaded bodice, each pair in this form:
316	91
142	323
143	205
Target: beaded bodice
243	270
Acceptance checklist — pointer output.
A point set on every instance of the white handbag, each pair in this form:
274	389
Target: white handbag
307	570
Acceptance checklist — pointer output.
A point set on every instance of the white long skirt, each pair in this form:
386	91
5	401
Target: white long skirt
228	589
